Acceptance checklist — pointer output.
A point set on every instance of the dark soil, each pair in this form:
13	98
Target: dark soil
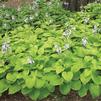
55	97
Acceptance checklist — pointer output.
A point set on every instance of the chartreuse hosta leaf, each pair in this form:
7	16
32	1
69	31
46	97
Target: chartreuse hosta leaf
53	78
3	86
14	88
41	51
95	90
34	94
65	88
85	77
30	82
44	92
26	90
76	85
12	77
67	75
39	83
83	90
77	66
96	78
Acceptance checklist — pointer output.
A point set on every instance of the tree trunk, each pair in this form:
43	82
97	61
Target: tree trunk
74	5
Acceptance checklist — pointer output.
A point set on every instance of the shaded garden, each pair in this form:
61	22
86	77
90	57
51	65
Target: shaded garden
49	52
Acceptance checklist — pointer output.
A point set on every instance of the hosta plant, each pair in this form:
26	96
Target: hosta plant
53	52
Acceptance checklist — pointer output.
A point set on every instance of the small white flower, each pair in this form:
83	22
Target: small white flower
99	30
67	33
66	46
47	15
5	25
26	20
56	46
31	18
36	14
13	17
72	27
3	6
84	42
50	21
86	20
35	5
49	3
7	15
58	49
5	47
95	29
81	7
31	61
18	9
66	4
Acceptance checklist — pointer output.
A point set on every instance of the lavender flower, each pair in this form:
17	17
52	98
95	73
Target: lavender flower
3	6
31	61
35	5
67	33
13	17
26	20
58	49
36	14
18	9
86	20
7	15
72	27
95	29
31	18
49	3
5	25
5	47
47	15
84	42
66	46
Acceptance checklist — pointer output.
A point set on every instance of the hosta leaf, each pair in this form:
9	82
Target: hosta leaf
25	91
30	82
59	69
96	78
14	88
11	77
83	91
3	86
34	94
95	90
50	87
44	92
65	88
41	51
67	76
85	77
39	83
76	85
39	31
77	66
53	78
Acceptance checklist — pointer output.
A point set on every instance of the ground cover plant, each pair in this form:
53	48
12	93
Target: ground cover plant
44	46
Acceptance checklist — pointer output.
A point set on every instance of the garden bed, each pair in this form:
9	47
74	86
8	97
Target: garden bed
56	97
47	51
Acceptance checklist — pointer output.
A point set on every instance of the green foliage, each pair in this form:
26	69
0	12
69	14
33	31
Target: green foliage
44	48
65	88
